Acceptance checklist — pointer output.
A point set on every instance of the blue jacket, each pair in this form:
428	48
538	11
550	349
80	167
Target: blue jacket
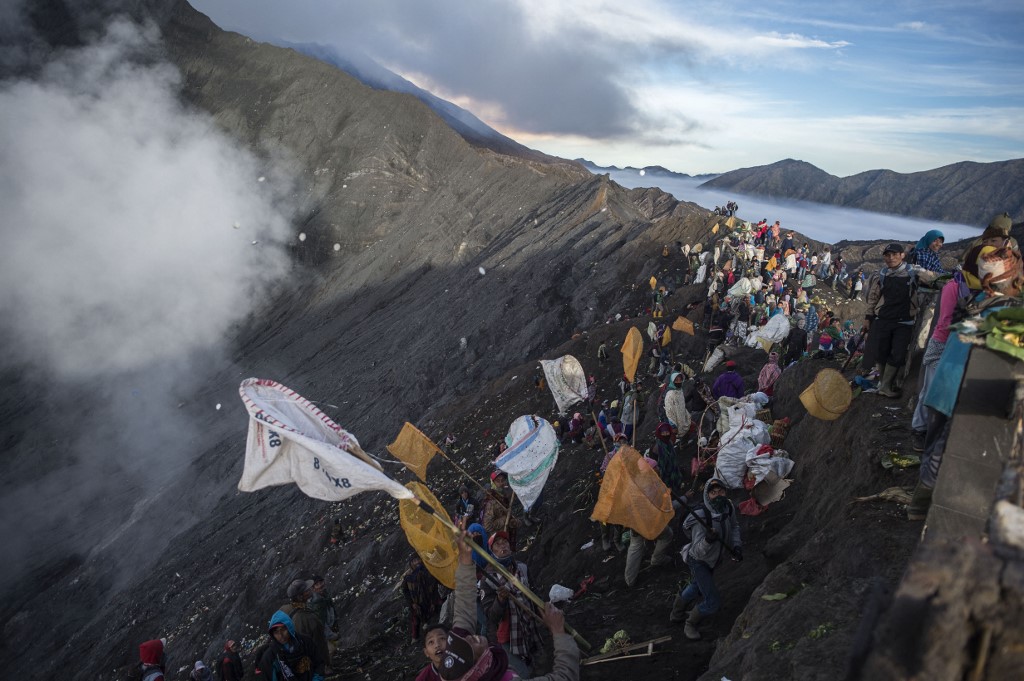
301	656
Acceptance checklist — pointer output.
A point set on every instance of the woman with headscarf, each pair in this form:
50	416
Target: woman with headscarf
770	373
925	253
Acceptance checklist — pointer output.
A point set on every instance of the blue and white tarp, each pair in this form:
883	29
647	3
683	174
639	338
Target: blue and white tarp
531	455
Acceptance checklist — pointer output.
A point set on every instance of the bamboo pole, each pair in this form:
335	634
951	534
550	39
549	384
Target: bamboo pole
461	470
508	513
597	425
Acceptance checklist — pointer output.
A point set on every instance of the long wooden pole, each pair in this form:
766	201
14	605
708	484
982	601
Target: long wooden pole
636	395
461	470
597	425
426	508
508	513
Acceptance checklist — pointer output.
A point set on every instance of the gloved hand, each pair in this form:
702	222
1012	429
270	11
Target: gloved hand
737	554
710	536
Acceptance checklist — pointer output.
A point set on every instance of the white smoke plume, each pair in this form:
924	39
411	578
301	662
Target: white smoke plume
120	246
135	235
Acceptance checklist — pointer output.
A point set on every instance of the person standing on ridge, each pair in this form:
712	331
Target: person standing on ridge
892	308
229	666
200	672
420	590
290	655
507	622
322	606
303	619
638	544
926	253
729	383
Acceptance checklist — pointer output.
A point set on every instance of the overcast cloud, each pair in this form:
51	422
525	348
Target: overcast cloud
701	86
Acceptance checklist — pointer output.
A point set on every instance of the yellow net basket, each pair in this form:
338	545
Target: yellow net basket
433	542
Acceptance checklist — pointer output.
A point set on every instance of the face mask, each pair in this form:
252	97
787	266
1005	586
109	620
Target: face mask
507	562
719	504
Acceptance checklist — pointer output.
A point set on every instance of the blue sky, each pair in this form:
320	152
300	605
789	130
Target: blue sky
698	86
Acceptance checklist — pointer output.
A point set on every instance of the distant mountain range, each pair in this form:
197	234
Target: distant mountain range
654	171
369	72
968	193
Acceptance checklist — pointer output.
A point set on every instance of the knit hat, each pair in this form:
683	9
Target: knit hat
730	364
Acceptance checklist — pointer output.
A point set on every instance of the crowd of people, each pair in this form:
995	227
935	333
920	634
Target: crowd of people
487	628
298	645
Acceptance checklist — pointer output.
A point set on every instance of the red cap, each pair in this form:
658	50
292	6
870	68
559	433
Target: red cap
500	533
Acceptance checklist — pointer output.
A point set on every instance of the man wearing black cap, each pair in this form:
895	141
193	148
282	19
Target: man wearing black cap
305	621
892	308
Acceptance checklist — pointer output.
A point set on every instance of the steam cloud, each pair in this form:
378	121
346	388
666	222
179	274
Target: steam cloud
134	235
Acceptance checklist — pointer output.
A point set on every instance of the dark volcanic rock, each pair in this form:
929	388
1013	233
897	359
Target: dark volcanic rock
967	192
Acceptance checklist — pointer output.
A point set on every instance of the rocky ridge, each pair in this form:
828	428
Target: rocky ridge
968	193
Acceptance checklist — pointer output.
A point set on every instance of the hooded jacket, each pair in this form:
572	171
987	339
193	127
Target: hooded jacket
151	660
724	523
480	561
301	656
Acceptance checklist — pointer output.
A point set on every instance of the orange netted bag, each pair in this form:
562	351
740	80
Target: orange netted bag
433	542
414	449
633	495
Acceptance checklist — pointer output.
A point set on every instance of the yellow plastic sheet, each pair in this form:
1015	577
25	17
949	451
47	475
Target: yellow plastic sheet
683	324
632	349
414	449
633	495
433	542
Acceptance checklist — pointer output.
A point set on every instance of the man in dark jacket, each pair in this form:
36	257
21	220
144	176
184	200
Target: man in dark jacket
796	342
229	667
420	590
304	620
892	309
712	526
291	656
